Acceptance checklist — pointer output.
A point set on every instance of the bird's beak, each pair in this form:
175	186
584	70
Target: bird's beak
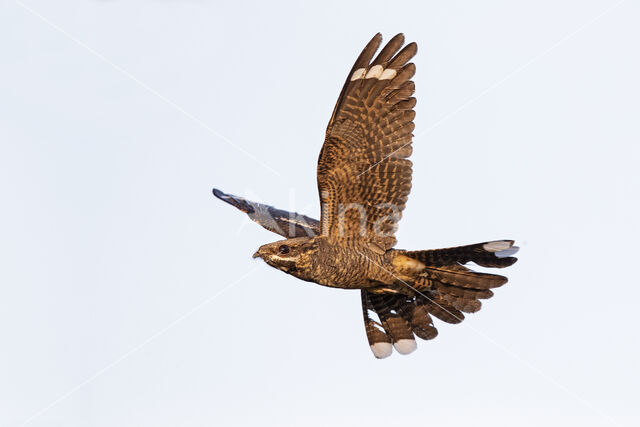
257	254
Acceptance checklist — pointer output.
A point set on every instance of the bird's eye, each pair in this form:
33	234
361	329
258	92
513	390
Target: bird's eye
283	249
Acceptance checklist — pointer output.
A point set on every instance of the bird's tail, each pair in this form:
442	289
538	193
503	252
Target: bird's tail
439	285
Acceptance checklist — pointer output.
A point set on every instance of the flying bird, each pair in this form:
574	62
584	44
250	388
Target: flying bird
364	180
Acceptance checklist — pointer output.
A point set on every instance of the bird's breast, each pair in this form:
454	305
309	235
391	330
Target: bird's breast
347	267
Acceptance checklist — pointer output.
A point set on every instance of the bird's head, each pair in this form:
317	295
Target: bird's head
293	256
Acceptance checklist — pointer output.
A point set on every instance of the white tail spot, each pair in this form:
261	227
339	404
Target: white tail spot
405	346
498	245
381	350
507	252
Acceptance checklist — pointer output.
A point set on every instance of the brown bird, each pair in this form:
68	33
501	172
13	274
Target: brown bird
364	180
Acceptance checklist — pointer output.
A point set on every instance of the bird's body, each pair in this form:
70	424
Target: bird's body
329	263
364	179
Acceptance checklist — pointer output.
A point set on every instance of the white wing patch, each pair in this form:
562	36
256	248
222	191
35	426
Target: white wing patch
358	74
375	72
387	74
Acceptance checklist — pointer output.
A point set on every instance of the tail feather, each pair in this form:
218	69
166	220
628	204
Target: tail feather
495	254
439	285
395	325
457	275
379	341
400	317
443	310
463	304
422	322
464	293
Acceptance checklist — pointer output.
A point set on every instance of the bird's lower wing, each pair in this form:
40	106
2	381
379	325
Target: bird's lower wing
284	223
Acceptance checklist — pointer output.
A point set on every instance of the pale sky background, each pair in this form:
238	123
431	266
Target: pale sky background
128	296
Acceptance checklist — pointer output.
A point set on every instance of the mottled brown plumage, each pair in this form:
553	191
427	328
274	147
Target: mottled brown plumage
363	171
364	180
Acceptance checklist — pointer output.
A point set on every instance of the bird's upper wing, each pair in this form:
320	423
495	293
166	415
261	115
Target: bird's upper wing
364	176
284	223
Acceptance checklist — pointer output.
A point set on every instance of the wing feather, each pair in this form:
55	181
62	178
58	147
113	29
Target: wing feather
284	223
364	176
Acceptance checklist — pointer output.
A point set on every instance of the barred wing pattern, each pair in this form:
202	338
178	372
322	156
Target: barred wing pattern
364	176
